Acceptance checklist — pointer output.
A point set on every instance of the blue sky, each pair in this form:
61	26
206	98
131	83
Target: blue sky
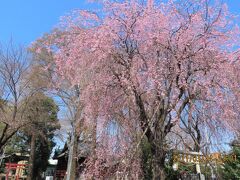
26	20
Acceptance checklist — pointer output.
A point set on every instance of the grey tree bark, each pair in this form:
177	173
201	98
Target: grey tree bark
32	157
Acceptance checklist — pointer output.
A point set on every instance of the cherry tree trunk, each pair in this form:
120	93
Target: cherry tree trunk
158	166
157	141
158	160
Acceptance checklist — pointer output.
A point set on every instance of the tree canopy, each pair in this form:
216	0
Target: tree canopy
151	68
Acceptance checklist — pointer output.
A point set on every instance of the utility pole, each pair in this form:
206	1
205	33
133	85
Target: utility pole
71	167
70	156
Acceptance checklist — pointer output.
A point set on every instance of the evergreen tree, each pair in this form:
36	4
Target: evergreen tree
42	113
231	169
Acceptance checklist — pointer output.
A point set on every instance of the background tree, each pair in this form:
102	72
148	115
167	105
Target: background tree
42	113
14	69
17	144
231	168
66	95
